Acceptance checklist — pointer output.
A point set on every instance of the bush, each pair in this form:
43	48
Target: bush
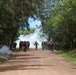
73	52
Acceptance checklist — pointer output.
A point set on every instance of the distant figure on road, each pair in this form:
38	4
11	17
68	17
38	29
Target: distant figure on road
24	46
20	45
36	45
28	45
42	45
14	45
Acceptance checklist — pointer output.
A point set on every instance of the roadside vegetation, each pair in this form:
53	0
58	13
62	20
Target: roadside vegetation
70	56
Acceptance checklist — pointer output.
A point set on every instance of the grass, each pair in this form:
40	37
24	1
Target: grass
66	55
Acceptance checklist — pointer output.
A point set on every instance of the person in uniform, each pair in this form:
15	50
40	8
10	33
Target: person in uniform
36	45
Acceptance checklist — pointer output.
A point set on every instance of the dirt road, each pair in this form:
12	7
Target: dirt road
38	62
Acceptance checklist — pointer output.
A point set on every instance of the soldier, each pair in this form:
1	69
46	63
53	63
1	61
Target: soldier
42	45
20	45
36	45
14	45
46	45
24	46
50	45
28	45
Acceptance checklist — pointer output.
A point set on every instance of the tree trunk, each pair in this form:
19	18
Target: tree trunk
13	37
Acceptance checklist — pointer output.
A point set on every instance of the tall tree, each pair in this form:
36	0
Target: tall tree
13	14
62	24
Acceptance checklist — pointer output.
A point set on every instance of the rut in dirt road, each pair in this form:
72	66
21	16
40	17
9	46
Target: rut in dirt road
37	62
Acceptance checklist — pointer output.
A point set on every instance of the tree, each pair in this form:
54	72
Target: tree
61	24
13	14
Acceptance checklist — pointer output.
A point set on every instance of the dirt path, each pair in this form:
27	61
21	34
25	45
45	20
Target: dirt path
38	62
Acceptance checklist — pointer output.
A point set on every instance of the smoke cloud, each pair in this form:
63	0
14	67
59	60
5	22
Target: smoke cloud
32	38
5	52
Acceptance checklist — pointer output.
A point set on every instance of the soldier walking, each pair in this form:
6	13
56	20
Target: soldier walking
36	45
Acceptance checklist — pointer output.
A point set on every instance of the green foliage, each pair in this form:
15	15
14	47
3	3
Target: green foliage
13	14
73	53
25	32
61	25
66	55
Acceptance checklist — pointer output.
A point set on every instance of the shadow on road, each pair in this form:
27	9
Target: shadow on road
21	54
23	62
22	67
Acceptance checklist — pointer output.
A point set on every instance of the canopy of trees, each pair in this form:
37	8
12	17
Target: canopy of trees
58	19
61	24
14	14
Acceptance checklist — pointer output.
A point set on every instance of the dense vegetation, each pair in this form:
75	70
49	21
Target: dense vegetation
70	56
14	15
61	24
58	19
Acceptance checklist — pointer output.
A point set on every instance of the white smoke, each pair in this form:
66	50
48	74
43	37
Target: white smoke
5	50
32	38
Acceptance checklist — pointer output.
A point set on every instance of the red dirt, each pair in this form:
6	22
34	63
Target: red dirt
37	62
